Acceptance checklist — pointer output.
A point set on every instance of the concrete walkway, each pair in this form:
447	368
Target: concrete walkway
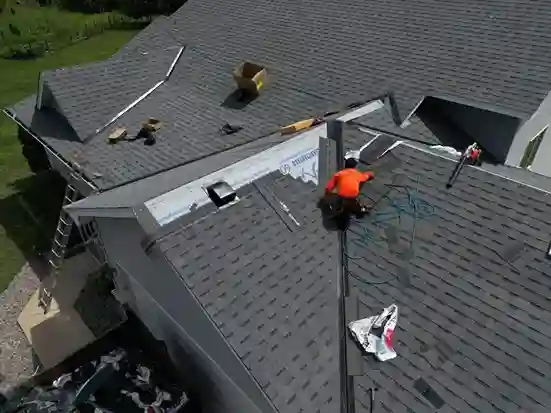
16	355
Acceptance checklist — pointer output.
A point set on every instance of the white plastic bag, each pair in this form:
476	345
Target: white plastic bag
380	346
452	151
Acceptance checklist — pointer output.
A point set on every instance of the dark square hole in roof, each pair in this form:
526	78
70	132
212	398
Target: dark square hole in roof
428	393
221	193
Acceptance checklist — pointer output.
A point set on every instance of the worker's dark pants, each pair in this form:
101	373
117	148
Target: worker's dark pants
339	209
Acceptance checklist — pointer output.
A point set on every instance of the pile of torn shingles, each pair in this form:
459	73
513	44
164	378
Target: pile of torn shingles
114	382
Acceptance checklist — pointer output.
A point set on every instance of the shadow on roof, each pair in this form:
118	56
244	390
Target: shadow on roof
459	125
48	122
238	99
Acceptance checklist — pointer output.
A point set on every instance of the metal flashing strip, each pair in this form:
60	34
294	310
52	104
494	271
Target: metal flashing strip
298	156
174	62
335	133
405	121
139	99
279	207
361	111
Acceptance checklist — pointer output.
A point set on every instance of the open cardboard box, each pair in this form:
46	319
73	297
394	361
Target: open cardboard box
250	77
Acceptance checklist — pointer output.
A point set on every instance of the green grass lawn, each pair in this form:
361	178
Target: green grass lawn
24	27
25	214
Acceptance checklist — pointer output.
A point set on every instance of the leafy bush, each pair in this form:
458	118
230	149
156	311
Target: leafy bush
88	6
32	27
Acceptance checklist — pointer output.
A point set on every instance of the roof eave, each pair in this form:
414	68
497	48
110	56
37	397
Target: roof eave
82	184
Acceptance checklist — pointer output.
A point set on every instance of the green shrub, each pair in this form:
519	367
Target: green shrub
26	51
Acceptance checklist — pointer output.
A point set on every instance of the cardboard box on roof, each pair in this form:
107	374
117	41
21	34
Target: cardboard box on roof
250	77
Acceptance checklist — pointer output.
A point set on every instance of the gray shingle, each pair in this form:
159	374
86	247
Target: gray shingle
192	109
270	291
493	55
381	120
89	96
473	326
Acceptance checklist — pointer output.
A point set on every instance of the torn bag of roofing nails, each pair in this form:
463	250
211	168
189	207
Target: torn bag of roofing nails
374	334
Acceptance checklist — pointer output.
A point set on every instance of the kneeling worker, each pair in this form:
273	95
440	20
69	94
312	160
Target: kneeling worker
346	185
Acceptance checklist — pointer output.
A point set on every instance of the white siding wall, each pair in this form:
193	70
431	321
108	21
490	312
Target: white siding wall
539	120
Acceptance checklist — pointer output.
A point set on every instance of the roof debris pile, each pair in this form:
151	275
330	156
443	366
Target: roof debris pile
112	383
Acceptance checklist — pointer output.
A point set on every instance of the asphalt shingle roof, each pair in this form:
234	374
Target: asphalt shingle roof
381	121
467	268
270	288
474	312
89	96
193	104
493	54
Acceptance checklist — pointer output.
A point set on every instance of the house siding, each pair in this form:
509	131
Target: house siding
539	120
169	310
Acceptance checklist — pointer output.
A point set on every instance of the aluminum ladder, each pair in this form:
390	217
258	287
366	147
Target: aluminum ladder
58	249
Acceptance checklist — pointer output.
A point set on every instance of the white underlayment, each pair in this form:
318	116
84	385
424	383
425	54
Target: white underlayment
297	157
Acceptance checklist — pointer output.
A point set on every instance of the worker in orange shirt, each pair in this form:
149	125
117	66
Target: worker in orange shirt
346	185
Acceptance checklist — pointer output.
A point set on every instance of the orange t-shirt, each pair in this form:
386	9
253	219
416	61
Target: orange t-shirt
347	182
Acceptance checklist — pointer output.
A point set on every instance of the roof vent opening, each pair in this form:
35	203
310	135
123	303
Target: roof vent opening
222	194
428	393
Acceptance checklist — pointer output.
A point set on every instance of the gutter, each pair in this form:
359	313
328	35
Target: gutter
75	175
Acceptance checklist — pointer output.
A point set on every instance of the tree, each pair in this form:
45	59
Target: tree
139	8
170	6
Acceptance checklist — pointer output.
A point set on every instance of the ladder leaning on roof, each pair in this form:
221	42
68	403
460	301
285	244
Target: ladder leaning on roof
58	249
